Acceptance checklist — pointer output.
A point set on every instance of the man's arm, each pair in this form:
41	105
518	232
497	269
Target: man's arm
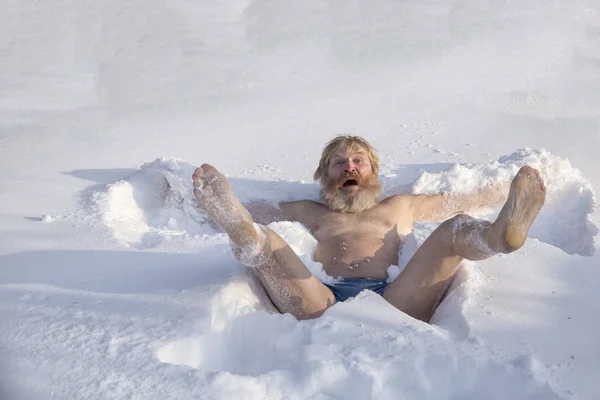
439	207
264	212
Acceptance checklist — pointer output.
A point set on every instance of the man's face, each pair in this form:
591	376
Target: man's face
351	185
349	169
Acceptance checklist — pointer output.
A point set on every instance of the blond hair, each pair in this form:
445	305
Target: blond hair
350	143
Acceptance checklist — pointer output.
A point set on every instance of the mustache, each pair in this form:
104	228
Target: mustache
368	183
349	175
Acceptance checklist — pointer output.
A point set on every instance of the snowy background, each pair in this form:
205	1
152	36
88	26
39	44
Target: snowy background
112	285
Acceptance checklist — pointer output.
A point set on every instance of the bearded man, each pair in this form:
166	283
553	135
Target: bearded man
359	235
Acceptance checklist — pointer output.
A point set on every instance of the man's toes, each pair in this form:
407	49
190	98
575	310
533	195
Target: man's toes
528	171
528	176
209	170
540	180
534	177
197	175
208	182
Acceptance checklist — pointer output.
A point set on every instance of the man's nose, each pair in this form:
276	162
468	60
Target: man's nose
350	166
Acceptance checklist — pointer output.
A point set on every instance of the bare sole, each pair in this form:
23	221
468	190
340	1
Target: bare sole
525	199
215	196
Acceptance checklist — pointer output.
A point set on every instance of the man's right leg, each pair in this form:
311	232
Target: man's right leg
290	285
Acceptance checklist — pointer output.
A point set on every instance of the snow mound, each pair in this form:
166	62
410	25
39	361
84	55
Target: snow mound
153	205
352	352
564	221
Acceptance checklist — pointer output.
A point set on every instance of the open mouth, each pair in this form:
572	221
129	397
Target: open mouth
350	182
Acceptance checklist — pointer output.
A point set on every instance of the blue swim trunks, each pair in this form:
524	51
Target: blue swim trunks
350	287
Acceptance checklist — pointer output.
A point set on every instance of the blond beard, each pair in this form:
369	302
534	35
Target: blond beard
351	202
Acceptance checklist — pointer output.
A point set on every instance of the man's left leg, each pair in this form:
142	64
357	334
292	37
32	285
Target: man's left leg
419	287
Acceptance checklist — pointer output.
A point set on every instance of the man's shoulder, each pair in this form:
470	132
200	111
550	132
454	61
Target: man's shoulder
401	205
299	210
302	204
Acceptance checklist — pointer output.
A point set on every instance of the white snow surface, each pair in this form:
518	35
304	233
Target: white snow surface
114	285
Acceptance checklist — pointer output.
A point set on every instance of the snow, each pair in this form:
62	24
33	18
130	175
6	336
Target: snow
113	284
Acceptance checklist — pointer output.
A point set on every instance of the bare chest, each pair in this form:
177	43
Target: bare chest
357	245
336	224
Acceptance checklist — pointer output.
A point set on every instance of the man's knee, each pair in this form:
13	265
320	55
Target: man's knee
469	237
455	223
448	231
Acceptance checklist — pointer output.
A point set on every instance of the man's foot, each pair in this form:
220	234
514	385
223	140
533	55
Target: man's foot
526	197
215	196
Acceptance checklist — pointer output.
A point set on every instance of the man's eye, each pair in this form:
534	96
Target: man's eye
358	161
339	162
